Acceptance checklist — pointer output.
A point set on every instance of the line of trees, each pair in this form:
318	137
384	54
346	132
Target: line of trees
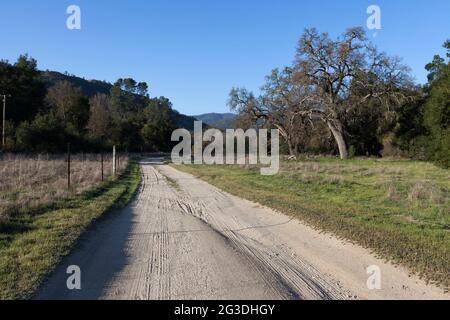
41	119
343	95
424	124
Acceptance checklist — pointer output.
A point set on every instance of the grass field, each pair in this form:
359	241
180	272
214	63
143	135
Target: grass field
28	182
33	242
400	209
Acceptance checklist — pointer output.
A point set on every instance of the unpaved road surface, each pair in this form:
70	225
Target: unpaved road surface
190	240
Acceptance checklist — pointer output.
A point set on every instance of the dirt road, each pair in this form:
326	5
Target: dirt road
184	239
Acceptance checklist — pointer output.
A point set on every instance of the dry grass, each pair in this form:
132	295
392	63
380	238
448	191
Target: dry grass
426	191
32	245
28	182
333	168
392	193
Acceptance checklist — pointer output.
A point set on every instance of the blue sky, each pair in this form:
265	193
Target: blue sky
194	51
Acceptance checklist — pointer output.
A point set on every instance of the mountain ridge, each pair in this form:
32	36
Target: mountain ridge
218	120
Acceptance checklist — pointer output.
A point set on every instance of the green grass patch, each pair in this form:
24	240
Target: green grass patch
399	209
172	182
32	244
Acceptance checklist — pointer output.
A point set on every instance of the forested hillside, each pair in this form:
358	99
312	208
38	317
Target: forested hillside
89	87
218	120
46	110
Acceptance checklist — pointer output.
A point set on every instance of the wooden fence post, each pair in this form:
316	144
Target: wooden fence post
114	161
68	166
101	159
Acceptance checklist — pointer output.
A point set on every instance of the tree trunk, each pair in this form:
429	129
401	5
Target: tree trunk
292	147
336	130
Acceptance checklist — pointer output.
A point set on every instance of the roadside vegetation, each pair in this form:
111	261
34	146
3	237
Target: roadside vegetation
34	240
399	209
28	182
344	96
46	110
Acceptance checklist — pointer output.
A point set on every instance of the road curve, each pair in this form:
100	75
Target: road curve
190	240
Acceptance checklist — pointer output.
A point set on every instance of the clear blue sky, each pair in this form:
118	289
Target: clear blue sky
194	51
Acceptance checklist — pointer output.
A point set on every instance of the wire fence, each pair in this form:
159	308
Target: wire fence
30	181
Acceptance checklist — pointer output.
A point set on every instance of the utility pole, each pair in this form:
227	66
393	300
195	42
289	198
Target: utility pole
4	120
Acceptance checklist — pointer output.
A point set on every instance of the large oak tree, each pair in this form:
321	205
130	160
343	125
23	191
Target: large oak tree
280	105
346	73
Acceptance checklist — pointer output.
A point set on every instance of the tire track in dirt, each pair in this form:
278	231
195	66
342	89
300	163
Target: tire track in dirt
292	279
307	263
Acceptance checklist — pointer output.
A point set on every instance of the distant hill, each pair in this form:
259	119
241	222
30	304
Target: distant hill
91	87
183	121
218	120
